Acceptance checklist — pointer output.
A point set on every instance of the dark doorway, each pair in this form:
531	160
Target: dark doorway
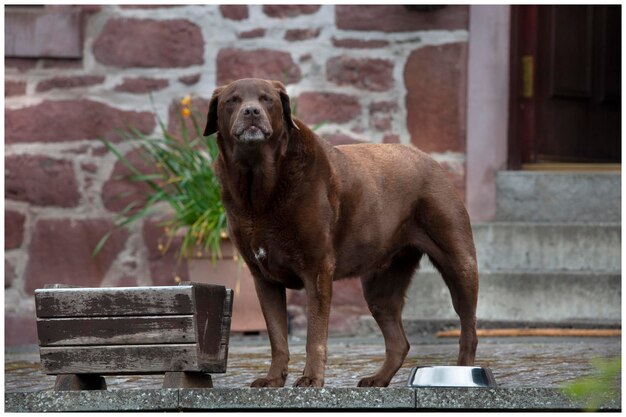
565	84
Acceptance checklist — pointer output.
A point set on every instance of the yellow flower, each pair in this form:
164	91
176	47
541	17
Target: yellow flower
186	112
186	101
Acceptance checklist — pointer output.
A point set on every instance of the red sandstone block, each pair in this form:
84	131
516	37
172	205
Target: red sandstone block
293	10
190	79
250	34
313	107
165	265
14	88
233	64
141	85
359	43
234	12
147	43
397	18
363	73
60	251
119	190
41	181
69	82
295	35
70	120
14	229
435	79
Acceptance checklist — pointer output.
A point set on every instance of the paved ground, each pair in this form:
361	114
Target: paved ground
515	362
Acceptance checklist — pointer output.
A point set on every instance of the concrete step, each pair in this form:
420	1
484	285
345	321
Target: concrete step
558	196
548	246
513	296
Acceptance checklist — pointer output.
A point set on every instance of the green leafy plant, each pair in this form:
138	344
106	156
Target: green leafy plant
601	386
184	180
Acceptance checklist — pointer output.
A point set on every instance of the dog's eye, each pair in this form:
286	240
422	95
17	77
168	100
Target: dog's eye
266	99
233	100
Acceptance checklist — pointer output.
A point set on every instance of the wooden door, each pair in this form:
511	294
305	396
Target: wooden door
566	89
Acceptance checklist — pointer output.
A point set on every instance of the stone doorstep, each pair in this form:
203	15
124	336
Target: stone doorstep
299	398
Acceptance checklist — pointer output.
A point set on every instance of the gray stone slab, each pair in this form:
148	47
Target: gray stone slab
524	296
526	399
558	196
548	247
113	400
297	398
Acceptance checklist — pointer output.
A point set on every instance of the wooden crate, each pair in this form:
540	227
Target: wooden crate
182	331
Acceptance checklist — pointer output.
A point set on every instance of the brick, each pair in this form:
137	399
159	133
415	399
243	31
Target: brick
282	11
14	88
20	329
165	265
314	108
119	191
250	34
295	35
363	73
359	43
147	43
69	82
397	18
233	64
190	79
435	79
71	120
60	251
234	12
142	85
41	181
13	229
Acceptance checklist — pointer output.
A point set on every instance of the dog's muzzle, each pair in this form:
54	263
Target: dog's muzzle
251	125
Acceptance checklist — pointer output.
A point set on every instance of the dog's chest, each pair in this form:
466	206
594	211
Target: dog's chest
273	255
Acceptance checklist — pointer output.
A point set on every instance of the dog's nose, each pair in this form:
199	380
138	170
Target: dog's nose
251	111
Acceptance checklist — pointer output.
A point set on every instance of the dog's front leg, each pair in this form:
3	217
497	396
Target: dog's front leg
273	301
318	289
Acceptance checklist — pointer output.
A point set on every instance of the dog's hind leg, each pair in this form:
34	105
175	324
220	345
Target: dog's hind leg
384	292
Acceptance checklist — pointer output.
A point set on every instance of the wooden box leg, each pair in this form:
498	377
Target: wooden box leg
187	380
79	382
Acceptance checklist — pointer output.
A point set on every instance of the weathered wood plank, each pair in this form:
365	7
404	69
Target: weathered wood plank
116	330
209	310
127	359
133	301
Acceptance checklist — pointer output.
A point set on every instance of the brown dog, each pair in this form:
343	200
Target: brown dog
304	213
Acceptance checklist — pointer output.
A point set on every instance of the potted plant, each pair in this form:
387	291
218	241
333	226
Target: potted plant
184	181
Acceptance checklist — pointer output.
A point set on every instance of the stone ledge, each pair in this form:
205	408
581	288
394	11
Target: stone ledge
298	398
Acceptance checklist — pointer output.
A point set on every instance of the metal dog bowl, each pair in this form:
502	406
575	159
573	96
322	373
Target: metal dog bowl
451	376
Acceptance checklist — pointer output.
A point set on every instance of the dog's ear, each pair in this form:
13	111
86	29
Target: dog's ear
284	99
211	118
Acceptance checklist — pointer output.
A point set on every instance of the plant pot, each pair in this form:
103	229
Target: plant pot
233	273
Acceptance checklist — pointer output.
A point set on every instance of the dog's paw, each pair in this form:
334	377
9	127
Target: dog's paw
372	382
306	381
268	383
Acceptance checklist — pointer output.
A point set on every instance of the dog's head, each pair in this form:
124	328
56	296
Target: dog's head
249	111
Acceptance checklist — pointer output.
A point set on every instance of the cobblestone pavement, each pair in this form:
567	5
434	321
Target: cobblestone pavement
515	362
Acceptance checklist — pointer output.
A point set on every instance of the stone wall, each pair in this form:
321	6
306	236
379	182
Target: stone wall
368	73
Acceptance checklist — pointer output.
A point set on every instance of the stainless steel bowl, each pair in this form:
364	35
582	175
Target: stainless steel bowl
451	376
